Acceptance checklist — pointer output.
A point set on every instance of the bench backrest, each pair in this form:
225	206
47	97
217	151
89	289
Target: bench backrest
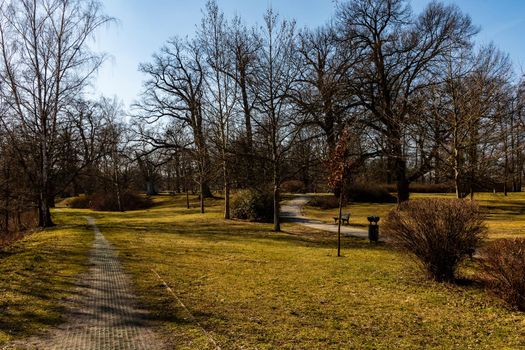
345	216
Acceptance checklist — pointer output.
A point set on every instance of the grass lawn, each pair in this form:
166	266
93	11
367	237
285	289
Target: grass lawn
505	215
250	288
36	273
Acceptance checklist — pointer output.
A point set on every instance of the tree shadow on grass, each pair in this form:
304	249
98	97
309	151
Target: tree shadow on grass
35	278
246	233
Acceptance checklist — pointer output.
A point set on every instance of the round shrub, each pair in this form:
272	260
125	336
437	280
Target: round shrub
424	188
439	233
107	201
80	202
503	265
293	186
369	193
325	202
252	205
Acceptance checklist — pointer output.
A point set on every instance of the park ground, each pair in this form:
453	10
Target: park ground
245	287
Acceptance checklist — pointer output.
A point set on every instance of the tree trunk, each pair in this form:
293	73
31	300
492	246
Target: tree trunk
204	159
276	208
226	192
227	201
75	188
205	190
402	183
457	185
44	214
276	188
119	199
339	222
248	127
50	201
150	188
457	176
403	190
118	193
203	187
398	163
6	216
177	177
331	141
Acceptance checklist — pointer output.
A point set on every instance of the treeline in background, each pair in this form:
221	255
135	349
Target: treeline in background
416	101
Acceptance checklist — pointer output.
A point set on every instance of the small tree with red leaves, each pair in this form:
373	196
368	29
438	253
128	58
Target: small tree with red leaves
343	163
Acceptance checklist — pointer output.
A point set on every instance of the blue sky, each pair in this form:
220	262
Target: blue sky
143	26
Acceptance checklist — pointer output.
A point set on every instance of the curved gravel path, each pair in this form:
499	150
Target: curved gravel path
292	212
103	312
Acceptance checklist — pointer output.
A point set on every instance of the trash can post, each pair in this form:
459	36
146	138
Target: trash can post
373	228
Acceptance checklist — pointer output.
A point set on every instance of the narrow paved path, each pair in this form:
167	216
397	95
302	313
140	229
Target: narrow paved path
103	313
291	212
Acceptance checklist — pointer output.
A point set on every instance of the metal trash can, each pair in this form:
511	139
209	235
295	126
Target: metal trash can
373	229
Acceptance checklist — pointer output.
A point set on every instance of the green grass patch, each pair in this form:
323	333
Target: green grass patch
505	214
36	273
251	288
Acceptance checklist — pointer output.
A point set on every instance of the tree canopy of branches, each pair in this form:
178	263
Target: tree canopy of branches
45	64
240	105
400	53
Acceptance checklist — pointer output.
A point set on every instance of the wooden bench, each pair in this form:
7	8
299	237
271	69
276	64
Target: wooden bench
344	218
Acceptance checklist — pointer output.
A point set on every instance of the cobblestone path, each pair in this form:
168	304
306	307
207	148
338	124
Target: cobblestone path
103	311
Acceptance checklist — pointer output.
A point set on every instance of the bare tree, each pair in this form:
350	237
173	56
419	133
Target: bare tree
275	78
243	45
45	64
324	69
399	53
175	89
472	101
221	94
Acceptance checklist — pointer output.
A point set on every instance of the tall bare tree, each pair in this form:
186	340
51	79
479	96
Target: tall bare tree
243	44
221	94
45	64
399	53
474	99
175	89
324	69
275	78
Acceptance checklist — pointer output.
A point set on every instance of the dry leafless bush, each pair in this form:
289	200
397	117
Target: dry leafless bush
109	202
325	202
293	186
439	233
503	265
369	193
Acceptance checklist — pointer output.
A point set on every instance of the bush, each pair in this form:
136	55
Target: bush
432	188
108	201
325	202
252	205
80	202
359	193
503	265
18	222
439	233
369	193
293	186
425	188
